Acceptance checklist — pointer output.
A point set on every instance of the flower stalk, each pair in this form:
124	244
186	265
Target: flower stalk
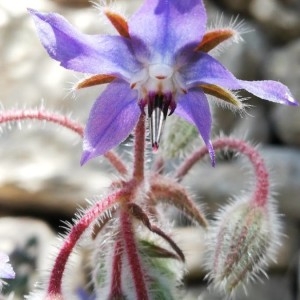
133	256
261	192
152	72
55	282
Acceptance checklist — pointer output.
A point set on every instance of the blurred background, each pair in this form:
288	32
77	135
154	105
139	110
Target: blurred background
42	183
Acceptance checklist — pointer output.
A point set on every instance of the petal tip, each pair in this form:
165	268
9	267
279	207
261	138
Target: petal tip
32	11
86	155
291	101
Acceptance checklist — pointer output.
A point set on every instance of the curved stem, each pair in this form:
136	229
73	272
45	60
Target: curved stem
42	115
54	287
261	192
139	149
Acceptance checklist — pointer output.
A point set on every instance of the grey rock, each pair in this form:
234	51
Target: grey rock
244	57
276	287
44	177
283	65
254	127
284	165
73	3
286	121
215	186
240	6
280	21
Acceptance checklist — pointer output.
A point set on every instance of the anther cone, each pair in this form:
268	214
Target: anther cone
157	121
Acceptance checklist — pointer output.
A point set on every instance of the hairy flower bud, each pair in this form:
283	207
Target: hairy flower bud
179	138
242	242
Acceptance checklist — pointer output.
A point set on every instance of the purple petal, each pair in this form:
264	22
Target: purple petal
269	90
6	270
205	69
92	54
160	28
194	108
112	118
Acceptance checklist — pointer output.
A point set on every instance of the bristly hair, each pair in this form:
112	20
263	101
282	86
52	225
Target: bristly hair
236	25
102	6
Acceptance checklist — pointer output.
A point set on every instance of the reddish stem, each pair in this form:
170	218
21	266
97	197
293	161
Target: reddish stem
41	115
116	162
261	192
139	149
55	282
116	285
133	256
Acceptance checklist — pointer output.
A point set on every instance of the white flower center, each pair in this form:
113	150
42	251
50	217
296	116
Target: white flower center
157	79
157	86
160	72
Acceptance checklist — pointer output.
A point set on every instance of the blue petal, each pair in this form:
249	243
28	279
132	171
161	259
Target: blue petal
92	54
6	270
111	119
194	108
160	28
205	69
269	90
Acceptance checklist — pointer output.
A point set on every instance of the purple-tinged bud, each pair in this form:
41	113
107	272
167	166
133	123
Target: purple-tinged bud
243	240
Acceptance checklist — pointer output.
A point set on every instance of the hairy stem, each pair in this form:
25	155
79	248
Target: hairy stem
42	115
261	192
70	241
139	149
133	256
116	285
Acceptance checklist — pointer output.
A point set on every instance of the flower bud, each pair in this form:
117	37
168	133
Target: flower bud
179	137
242	242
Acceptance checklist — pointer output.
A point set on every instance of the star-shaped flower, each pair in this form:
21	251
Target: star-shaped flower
158	61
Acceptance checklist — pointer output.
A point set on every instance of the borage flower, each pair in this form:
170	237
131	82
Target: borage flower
159	60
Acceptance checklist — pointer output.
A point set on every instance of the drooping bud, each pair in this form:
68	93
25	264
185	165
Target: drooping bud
243	240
